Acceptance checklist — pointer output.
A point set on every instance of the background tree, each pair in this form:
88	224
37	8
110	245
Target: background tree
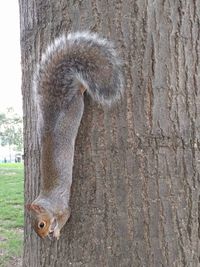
11	130
2	118
135	197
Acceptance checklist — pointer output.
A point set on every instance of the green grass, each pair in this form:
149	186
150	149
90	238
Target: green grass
11	211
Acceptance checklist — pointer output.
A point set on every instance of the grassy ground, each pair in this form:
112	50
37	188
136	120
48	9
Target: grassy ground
11	211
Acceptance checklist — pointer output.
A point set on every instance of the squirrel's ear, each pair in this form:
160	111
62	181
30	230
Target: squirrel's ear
34	207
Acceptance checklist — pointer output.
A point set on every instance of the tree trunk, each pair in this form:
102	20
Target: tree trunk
135	196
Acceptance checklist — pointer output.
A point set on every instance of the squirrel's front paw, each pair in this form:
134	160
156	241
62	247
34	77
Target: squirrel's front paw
56	234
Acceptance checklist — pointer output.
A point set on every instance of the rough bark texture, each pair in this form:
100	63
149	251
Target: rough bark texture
135	197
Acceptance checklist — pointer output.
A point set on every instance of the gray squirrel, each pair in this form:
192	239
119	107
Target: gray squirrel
71	65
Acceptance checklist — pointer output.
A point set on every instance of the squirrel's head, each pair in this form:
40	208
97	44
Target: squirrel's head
45	223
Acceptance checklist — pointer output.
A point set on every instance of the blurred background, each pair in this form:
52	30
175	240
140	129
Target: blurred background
11	140
10	84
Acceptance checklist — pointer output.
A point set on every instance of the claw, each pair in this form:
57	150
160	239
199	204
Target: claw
51	236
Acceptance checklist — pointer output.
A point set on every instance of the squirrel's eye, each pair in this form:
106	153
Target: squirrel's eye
41	225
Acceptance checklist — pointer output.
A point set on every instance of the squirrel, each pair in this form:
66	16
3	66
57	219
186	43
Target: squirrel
71	65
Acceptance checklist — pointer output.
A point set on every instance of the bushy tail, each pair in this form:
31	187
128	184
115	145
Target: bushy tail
81	58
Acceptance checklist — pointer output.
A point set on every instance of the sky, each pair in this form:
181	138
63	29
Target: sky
10	69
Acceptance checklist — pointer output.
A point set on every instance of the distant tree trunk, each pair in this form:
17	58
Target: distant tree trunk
135	197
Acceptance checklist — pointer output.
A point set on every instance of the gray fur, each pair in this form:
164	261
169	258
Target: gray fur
79	59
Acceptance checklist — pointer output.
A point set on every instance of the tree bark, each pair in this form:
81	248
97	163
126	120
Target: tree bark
135	196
